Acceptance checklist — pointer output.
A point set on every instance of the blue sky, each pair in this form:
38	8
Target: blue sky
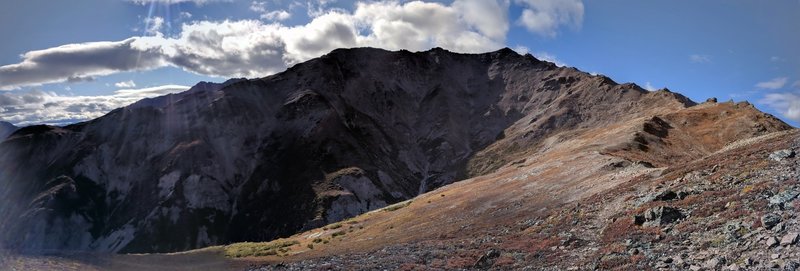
76	60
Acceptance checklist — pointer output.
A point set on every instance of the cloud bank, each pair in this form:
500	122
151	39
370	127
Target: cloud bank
36	106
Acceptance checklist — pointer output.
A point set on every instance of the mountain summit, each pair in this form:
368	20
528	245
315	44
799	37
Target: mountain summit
337	136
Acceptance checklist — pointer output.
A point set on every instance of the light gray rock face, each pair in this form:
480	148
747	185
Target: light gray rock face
781	155
252	160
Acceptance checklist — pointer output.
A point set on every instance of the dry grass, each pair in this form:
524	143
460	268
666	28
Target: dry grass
248	249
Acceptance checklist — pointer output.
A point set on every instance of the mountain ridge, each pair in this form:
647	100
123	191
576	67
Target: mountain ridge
339	135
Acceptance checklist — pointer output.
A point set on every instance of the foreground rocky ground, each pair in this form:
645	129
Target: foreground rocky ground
732	210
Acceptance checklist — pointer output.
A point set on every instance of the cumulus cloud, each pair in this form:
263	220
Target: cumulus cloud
549	58
276	15
153	25
649	87
420	25
37	107
266	14
475	12
787	104
521	49
252	48
545	17
775	83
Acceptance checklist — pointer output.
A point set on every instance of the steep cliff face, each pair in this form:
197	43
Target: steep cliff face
327	139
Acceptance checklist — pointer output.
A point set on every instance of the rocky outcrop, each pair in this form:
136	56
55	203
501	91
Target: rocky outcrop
659	216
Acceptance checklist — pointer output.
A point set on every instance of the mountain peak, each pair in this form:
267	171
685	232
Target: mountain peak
331	138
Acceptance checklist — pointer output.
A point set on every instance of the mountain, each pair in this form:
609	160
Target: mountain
340	135
6	129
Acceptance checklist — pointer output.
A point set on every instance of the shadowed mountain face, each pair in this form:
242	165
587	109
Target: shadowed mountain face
6	129
327	139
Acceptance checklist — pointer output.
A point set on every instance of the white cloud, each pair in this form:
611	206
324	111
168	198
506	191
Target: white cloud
544	17
649	87
700	58
185	15
266	14
316	8
419	25
796	84
138	94
474	12
78	62
153	25
125	84
776	59
521	49
775	83
276	15
251	48
549	58
788	104
40	107
170	2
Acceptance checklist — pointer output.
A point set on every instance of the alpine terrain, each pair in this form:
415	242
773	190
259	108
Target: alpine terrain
371	159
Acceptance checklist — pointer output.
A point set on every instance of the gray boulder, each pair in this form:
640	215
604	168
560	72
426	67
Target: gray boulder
770	220
782	155
658	216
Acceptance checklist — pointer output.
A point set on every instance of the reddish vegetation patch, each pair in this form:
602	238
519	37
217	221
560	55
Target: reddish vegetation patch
624	228
504	261
459	262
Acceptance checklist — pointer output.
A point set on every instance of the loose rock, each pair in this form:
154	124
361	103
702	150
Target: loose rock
770	220
789	239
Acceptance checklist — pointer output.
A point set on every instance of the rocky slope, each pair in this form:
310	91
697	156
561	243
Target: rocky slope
734	209
6	129
343	134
